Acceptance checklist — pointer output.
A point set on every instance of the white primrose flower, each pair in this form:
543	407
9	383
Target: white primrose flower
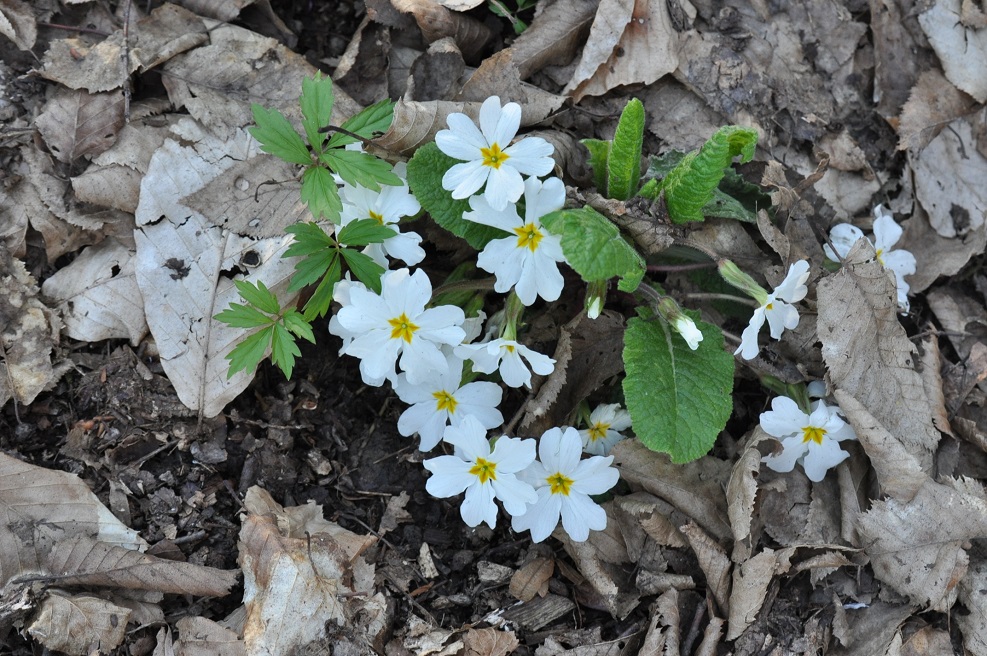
396	323
812	440
563	483
505	354
886	234
527	260
483	473
604	423
341	294
686	327
439	401
488	156
386	206
777	309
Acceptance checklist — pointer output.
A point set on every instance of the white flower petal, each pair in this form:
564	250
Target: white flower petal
541	518
478	506
464	180
821	458
792	289
843	236
507	124
580	514
784	419
516	495
749	348
886	232
504	185
792	450
532	156
781	316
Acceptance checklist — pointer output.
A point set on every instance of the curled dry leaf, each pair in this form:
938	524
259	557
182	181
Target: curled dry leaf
363	67
78	623
198	635
553	36
936	255
169	30
98	295
603	579
435	75
437	22
974	624
640	219
499	76
741	492
77	124
228	10
900	55
961	49
630	42
532	579
714	563
28	331
868	354
76	64
750	585
489	642
17	23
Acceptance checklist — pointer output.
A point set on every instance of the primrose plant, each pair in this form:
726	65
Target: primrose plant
497	192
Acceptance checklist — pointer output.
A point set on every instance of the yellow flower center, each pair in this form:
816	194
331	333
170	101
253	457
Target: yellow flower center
376	216
445	401
484	470
402	328
769	306
559	483
598	431
509	347
528	236
494	156
880	256
813	434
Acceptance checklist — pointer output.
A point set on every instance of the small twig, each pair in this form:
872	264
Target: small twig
73	28
674	268
697	619
463	286
703	296
336	128
125	61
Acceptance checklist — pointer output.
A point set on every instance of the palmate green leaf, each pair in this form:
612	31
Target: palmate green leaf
364	268
321	300
425	171
599	153
248	353
690	185
277	137
624	160
312	268
363	232
319	192
370	122
358	168
283	349
316	101
295	322
679	399
242	316
258	295
309	238
594	248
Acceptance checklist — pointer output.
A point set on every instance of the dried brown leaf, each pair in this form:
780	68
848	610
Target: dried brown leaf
79	624
532	579
873	629
17	23
741	492
78	124
714	562
961	49
933	103
607	582
77	65
936	255
750	585
436	22
931	360
198	636
974	623
362	69
169	30
436	74
947	180
499	76
394	513
900	52
696	488
489	642
553	36
868	354
112	186
630	42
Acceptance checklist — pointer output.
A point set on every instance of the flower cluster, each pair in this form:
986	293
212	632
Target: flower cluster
422	351
809	439
886	234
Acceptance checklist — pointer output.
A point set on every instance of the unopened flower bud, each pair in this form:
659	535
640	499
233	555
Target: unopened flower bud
596	293
680	322
734	276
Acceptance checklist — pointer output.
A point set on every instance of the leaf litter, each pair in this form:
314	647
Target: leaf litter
164	211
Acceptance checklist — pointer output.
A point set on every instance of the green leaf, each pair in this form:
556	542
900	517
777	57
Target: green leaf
425	171
309	238
321	300
248	353
363	232
679	399
317	99
283	349
276	136
370	122
624	161
295	322
599	153
358	168
690	185
259	296
594	248
242	316
364	268
320	193
312	268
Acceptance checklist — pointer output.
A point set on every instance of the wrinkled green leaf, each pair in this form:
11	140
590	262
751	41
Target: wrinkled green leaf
319	192
599	153
594	248
425	171
316	101
624	160
679	399
277	137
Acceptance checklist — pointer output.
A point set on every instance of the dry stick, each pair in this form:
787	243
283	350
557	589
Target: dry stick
73	28
690	638
125	61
